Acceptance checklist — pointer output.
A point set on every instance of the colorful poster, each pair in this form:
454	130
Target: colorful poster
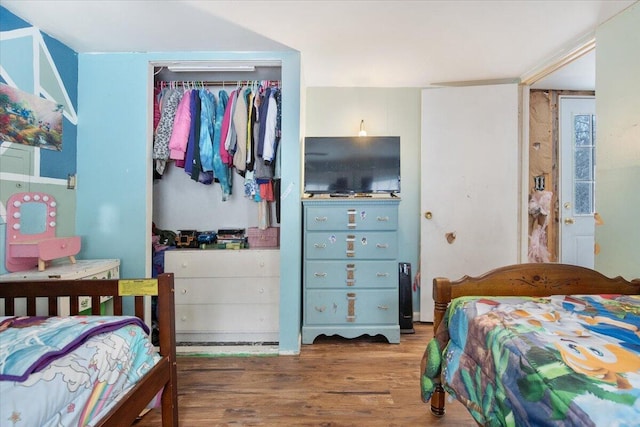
28	119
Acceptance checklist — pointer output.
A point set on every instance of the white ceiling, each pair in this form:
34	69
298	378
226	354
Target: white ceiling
357	43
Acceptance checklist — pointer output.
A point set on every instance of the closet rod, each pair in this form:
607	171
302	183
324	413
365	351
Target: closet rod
220	82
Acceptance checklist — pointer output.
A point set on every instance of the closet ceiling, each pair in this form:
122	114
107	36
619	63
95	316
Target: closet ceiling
356	43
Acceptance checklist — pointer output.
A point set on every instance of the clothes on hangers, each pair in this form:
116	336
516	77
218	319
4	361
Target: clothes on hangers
221	170
164	129
240	126
212	134
225	136
181	128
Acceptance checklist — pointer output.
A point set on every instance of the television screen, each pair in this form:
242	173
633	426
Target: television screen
352	165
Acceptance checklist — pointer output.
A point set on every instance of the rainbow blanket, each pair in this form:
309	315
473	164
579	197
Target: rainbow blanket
69	370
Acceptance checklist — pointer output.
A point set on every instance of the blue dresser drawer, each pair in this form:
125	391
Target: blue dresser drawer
351	275
351	217
355	307
348	245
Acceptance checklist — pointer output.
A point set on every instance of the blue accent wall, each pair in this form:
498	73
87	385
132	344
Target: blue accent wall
22	48
9	21
20	65
60	164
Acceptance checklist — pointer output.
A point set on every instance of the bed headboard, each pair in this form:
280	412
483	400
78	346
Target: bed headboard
532	279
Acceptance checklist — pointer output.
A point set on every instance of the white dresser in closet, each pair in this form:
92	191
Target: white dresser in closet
226	296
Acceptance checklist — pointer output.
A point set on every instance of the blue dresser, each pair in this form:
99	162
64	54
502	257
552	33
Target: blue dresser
350	269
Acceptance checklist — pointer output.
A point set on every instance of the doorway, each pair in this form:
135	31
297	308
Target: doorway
577	141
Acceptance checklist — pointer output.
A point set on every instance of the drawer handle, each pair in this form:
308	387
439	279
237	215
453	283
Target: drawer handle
383	307
351	215
321	218
319	245
320	309
351	254
183	292
183	318
382	245
383	218
382	274
320	274
350	282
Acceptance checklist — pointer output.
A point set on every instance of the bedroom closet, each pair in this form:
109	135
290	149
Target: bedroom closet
216	172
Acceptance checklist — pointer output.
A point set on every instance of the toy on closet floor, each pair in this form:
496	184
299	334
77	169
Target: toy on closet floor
31	233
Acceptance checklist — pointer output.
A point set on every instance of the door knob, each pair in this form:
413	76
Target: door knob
428	215
569	221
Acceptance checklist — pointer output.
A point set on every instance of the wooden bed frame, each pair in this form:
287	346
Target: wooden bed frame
161	377
540	279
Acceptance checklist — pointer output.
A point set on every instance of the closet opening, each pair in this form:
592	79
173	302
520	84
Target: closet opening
216	197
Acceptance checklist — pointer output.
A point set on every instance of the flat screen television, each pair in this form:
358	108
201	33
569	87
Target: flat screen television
352	165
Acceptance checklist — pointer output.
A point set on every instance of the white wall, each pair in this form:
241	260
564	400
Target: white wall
332	111
618	144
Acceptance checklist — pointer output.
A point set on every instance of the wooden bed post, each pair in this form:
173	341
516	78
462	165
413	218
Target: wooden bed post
441	297
166	339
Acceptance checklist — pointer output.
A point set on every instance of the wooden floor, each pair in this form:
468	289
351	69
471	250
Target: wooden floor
334	382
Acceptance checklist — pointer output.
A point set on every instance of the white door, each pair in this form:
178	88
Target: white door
577	178
469	183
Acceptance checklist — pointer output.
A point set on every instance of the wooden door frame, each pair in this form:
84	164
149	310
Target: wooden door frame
565	56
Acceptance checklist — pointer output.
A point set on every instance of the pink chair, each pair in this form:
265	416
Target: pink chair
31	233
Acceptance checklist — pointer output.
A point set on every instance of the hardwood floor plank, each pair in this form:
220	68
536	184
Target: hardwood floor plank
334	382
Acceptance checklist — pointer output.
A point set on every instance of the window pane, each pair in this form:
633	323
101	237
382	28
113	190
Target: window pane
583	129
583	164
583	198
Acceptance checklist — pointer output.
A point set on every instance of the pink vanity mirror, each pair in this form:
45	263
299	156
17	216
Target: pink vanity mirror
31	233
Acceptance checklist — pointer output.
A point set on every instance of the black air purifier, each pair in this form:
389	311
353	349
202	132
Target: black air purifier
406	298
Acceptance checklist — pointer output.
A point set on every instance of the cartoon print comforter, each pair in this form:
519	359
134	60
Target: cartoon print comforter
561	360
69	370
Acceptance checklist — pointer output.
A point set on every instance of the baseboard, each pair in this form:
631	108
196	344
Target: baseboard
226	350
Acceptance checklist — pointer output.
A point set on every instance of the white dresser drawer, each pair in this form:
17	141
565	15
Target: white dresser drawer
226	318
222	263
227	291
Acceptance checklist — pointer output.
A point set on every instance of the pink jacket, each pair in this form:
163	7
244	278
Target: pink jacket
181	126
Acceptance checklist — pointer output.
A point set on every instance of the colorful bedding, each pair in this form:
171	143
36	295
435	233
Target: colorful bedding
69	370
560	360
